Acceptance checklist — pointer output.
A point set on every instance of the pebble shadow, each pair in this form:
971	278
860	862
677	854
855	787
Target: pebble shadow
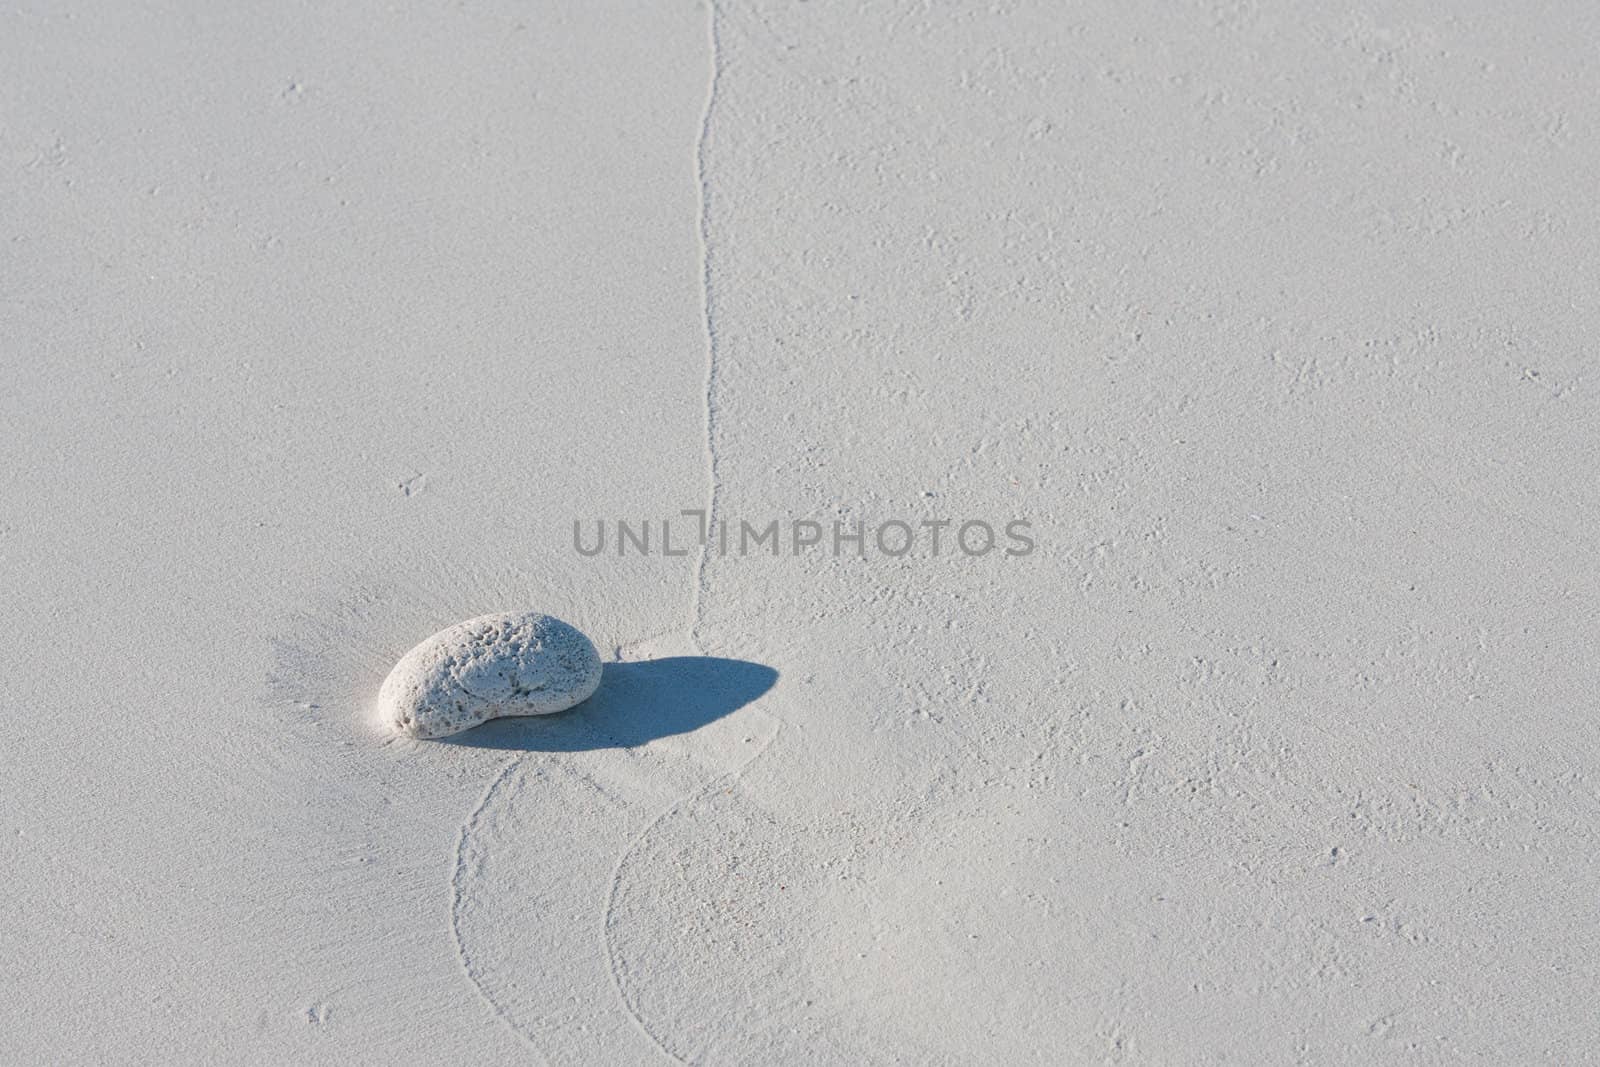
635	704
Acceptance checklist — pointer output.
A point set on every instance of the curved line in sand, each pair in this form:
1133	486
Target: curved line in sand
616	880
458	895
696	610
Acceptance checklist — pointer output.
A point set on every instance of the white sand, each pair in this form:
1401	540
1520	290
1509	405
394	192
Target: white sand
321	325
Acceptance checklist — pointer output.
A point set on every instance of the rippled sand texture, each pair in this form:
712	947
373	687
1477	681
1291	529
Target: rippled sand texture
1277	323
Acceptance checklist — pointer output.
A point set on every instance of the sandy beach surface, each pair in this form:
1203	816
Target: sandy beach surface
322	325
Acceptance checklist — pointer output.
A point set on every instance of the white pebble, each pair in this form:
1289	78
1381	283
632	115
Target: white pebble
519	663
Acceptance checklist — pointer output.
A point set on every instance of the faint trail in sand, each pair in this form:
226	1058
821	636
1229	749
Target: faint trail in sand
708	313
622	861
713	484
462	871
458	881
713	487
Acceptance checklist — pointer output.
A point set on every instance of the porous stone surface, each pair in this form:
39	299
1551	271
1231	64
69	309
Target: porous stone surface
517	663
